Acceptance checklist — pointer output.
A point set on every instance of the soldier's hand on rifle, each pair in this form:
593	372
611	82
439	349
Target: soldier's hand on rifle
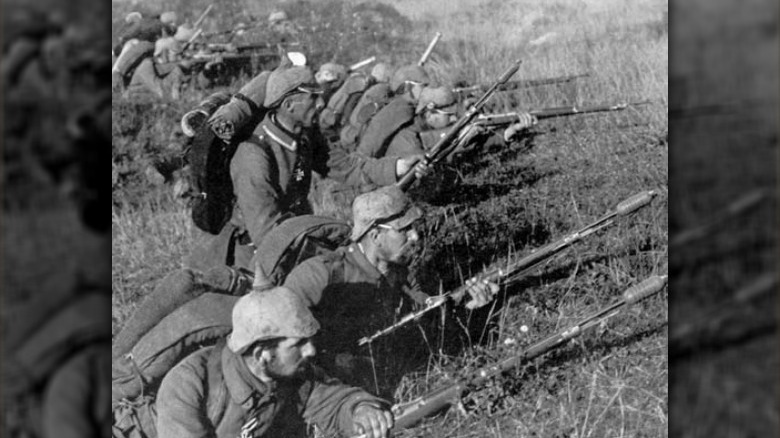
524	121
371	421
481	292
468	133
403	165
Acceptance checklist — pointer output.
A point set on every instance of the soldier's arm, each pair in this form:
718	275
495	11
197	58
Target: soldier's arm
181	403
355	169
310	278
331	405
404	144
257	194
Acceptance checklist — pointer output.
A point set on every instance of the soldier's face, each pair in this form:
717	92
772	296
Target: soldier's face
397	245
290	357
438	119
304	107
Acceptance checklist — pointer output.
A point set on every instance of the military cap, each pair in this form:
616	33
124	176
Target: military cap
184	33
282	82
168	17
261	315
381	72
133	17
409	73
331	72
437	98
277	16
387	205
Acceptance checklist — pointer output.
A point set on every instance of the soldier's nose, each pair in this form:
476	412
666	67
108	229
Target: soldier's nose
319	104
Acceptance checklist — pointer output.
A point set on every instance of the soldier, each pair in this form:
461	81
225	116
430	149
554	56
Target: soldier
374	98
271	173
260	382
358	289
407	84
280	24
137	43
436	110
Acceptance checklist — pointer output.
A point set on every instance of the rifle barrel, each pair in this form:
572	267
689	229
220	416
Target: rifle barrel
361	64
202	16
522	83
429	49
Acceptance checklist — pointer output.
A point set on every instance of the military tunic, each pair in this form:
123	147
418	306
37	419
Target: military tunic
212	393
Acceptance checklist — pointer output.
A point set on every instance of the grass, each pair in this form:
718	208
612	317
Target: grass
570	171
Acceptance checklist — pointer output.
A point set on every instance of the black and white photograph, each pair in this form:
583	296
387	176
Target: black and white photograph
365	219
389	218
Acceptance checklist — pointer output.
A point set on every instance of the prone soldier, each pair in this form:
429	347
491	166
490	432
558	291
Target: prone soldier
261	382
358	288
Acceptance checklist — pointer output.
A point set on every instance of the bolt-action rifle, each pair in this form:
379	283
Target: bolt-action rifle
409	414
525	264
547	113
519	84
447	142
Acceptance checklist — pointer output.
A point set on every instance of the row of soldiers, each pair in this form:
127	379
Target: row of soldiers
364	131
151	53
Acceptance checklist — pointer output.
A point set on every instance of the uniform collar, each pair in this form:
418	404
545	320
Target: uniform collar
245	389
357	254
271	130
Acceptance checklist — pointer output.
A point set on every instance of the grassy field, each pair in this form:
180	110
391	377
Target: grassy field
611	382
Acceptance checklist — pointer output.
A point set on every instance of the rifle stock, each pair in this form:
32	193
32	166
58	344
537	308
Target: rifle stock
525	264
411	413
443	146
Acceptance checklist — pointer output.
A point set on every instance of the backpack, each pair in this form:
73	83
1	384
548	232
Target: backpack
365	108
199	322
135	378
297	239
343	101
188	311
209	159
382	127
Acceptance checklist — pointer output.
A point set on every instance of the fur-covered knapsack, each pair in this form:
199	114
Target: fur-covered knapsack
209	157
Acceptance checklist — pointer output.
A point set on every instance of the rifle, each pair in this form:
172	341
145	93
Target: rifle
196	26
429	49
547	113
521	83
232	32
409	414
525	264
446	144
202	17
